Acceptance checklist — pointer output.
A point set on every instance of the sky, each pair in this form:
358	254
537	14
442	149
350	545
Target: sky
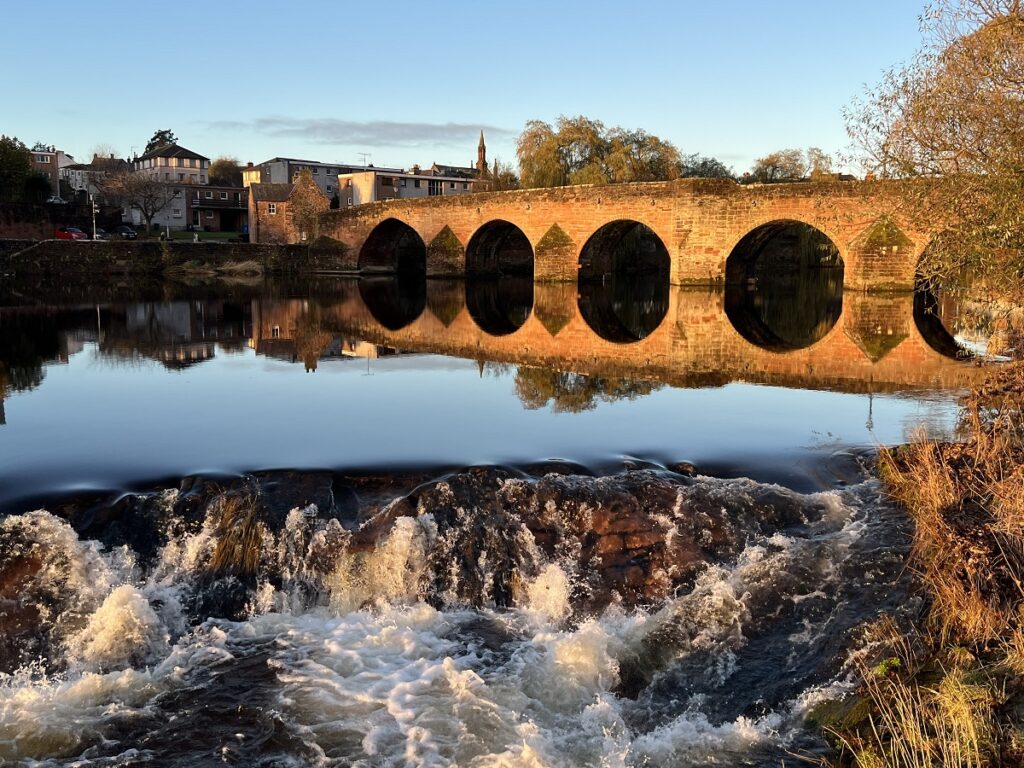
416	81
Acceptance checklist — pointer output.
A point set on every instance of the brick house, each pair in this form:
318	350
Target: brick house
286	212
217	208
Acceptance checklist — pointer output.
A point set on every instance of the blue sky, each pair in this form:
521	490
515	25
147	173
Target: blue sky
414	82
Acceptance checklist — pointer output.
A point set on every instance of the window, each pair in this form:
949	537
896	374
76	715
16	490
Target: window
433	187
316	171
451	185
272	208
209	214
209	195
181	177
416	183
196	194
330	188
350	201
167	177
275	332
177	193
402	182
41	158
387	181
223	195
465	185
176	213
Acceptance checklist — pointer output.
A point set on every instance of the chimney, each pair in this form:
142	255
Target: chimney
248	165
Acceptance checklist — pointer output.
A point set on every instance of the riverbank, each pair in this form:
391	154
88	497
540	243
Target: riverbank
63	258
949	690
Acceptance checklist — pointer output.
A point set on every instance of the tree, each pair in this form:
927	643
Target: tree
226	171
38	188
700	167
819	164
15	168
954	116
579	150
783	165
137	190
503	176
161	138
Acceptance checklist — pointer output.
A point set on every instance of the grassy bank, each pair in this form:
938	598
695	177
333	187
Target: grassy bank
950	691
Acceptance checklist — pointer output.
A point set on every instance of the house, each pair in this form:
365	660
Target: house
217	208
86	177
47	161
286	212
283	170
174	164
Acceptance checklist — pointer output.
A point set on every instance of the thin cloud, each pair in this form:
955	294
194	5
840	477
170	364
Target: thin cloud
373	133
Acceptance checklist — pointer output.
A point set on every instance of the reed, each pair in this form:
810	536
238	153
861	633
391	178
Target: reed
239	533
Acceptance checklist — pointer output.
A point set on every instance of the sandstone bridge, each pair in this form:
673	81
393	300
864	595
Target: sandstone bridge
694	231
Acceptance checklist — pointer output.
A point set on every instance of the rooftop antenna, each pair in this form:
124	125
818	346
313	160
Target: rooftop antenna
365	156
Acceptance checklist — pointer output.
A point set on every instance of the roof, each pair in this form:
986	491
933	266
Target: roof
457	171
271	193
173	150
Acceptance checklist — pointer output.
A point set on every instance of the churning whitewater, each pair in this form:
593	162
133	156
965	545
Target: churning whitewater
489	618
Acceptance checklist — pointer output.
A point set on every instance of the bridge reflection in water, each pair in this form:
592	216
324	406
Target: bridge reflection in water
815	339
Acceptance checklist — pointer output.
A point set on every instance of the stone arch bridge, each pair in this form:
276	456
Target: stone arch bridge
699	223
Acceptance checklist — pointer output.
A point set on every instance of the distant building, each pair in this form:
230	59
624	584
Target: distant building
375	184
370	185
285	212
174	164
84	177
47	161
283	170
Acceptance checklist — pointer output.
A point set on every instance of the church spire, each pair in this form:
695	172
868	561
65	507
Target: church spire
481	156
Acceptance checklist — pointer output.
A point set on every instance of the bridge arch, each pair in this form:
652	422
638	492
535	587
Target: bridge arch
499	248
393	246
624	246
784	285
623	281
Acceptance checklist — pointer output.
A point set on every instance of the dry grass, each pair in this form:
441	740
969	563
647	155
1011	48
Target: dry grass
239	533
951	696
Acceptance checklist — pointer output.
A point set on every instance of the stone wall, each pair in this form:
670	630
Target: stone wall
699	221
86	258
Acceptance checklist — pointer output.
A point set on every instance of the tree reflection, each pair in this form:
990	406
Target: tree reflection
569	392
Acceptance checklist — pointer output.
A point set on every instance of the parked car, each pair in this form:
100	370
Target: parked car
56	200
101	234
70	233
125	232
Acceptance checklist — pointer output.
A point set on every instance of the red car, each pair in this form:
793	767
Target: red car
70	233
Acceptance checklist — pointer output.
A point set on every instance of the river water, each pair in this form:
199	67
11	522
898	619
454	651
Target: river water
390	522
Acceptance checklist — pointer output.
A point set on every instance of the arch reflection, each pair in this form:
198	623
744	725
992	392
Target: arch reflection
394	301
500	306
935	315
624	281
784	286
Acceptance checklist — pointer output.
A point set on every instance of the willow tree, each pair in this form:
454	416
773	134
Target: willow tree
953	118
579	150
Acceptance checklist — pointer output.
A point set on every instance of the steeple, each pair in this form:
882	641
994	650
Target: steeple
481	157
